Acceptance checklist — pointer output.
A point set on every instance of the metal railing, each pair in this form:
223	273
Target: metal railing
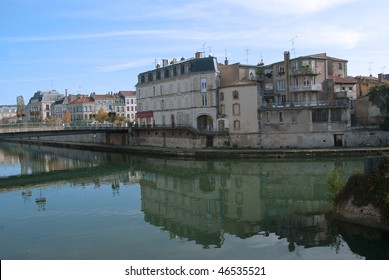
27	127
324	103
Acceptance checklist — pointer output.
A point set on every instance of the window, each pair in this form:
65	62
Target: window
268	116
340	66
235	94
204	101
307	82
281	70
320	115
236	125
336	115
236	109
281	84
222	96
203	85
268	73
281	116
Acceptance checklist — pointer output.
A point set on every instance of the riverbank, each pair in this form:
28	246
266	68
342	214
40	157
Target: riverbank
209	153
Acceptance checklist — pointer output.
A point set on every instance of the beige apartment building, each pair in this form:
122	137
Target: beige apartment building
83	108
302	103
180	93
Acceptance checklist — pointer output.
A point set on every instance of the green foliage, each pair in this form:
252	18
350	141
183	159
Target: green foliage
379	96
334	183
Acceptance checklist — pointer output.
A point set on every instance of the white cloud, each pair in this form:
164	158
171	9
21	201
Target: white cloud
123	66
124	33
288	7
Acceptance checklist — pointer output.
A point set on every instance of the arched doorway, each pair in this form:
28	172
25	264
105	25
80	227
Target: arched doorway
205	123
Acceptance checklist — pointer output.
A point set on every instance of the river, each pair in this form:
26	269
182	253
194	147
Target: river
60	204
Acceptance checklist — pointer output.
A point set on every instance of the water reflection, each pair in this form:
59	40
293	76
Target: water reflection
207	202
203	201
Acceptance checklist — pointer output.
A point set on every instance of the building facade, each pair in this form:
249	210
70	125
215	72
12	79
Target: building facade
83	108
8	113
301	104
182	93
130	104
39	106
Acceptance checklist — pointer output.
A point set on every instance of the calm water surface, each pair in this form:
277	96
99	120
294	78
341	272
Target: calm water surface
116	206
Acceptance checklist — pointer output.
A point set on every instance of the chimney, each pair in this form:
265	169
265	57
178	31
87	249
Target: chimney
226	61
66	92
174	61
198	55
165	62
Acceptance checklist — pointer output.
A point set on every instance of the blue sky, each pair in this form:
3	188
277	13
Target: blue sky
100	46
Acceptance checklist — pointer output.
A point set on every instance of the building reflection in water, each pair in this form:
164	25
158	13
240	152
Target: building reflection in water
204	201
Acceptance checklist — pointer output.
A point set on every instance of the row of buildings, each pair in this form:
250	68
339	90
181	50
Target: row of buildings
52	104
297	102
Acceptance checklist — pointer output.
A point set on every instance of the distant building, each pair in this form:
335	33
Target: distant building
8	113
130	104
105	102
82	108
39	106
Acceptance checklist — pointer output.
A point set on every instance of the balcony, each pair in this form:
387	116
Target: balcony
304	71
302	88
340	103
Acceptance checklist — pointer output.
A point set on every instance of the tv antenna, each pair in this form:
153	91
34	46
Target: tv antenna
210	50
292	45
370	63
247	55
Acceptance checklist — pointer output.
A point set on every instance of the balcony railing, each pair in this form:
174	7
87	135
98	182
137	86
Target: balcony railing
302	88
305	71
303	104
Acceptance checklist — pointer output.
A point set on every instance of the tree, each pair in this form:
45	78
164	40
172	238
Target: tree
112	117
101	116
379	96
20	107
67	118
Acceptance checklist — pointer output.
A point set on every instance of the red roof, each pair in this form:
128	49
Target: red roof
145	114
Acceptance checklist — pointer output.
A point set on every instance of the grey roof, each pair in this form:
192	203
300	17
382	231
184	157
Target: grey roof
203	64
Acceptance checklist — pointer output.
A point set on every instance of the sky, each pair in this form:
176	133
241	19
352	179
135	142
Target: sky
99	46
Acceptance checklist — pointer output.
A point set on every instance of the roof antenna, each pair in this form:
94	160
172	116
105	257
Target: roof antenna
370	63
292	46
247	55
210	50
